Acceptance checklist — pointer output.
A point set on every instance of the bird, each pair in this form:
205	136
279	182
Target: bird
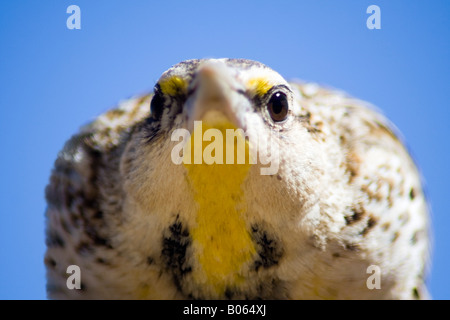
227	181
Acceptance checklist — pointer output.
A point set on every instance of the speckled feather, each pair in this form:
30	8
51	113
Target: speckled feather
347	195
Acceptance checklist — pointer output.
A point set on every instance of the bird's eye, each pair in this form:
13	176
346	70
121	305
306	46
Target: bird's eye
278	107
157	104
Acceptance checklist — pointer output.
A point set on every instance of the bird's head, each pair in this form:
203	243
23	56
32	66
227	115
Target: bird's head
225	156
240	100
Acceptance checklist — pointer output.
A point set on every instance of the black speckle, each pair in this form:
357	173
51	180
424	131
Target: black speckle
84	248
351	247
269	250
175	244
98	215
416	294
54	240
412	194
357	213
336	255
158	103
50	262
151	128
149	260
93	234
102	261
229	293
370	224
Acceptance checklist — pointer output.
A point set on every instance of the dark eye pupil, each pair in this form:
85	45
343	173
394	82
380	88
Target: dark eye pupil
157	105
278	107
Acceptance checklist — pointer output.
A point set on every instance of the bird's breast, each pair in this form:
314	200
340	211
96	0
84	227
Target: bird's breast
221	241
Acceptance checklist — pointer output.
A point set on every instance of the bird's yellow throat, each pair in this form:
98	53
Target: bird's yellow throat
223	245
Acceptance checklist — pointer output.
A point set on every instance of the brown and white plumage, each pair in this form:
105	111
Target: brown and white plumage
346	195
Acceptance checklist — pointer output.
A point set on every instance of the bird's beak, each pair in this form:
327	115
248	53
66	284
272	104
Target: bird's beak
214	99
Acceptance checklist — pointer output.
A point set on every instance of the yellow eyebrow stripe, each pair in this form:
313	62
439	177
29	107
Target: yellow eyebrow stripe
259	85
173	85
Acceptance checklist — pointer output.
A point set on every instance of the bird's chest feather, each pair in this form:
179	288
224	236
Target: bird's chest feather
222	245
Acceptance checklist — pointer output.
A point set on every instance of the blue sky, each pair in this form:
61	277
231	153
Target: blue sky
53	80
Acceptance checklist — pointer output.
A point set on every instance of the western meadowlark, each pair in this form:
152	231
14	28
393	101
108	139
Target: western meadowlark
228	182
